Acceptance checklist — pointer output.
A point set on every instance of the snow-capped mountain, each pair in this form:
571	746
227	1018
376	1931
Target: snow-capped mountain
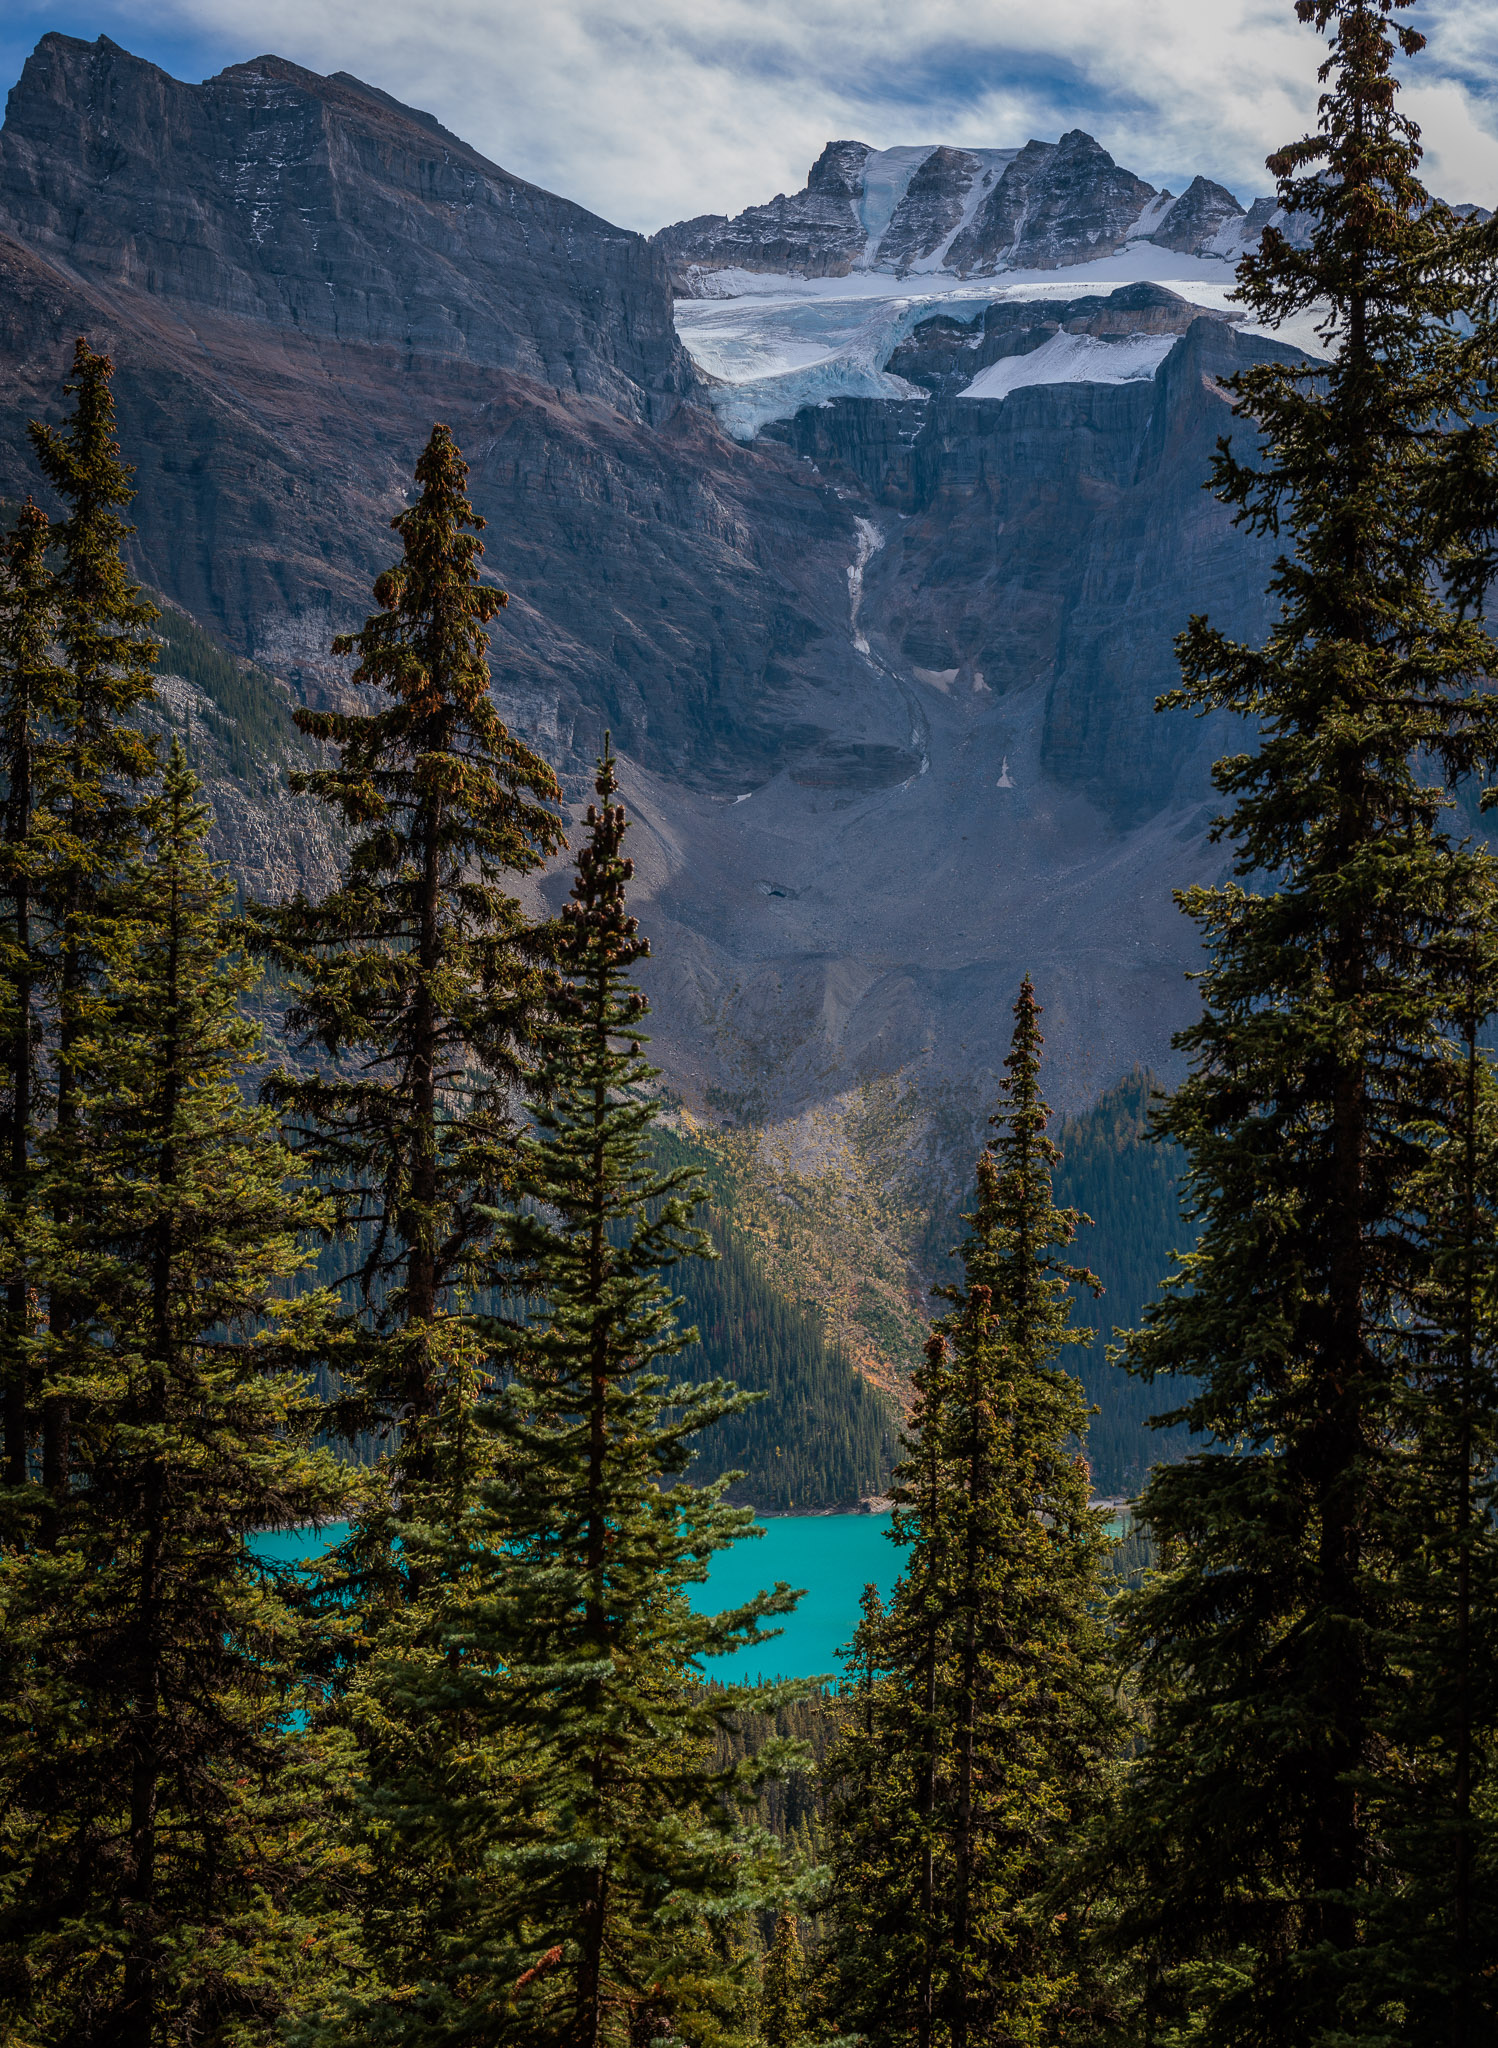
810	298
931	210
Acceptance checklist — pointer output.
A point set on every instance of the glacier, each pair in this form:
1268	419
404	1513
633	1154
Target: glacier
769	343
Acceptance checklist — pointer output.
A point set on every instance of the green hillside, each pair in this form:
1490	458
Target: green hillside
249	714
823	1436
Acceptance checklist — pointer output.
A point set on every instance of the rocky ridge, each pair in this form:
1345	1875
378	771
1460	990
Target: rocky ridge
321	207
962	213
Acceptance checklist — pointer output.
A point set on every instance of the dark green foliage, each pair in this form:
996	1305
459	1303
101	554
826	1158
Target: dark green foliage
542	1757
790	1807
414	981
1306	1863
1129	1185
982	1724
782	1987
32	683
1113	1171
822	1437
251	722
76	671
161	1848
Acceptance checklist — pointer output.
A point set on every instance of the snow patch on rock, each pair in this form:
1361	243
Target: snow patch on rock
1075	359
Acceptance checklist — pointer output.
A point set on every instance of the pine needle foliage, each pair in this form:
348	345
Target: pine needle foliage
163	1870
782	1979
1288	1817
984	1721
31	708
414	981
609	1864
74	765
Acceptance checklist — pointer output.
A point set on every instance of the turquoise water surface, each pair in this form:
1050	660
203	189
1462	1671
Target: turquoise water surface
831	1556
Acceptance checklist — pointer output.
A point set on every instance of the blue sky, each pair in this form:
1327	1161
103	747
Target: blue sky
649	110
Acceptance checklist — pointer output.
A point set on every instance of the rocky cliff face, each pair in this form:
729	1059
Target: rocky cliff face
319	207
1047	548
883	678
815	233
1054	205
954	212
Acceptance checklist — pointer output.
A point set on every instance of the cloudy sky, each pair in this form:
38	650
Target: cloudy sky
651	110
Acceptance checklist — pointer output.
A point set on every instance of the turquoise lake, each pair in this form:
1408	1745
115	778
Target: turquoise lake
832	1556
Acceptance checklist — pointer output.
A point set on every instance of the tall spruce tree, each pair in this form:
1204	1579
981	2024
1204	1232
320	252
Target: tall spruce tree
413	982
590	1875
1437	1926
77	674
782	1987
885	1770
160	1852
990	1735
30	713
1296	1801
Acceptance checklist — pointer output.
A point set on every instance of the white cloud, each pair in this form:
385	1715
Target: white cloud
650	110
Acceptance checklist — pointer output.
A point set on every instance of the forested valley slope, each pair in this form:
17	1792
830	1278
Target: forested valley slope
881	671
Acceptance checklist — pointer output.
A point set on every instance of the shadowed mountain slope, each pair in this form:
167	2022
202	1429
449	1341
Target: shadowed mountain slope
884	679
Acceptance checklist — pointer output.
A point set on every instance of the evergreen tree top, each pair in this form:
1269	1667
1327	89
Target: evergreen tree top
1017	1231
1357	181
595	921
1375	464
418	975
439	747
103	615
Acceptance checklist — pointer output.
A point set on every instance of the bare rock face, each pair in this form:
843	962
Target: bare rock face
1195	219
881	765
320	207
944	355
985	243
1049	546
297	278
815	233
931	208
960	211
1055	205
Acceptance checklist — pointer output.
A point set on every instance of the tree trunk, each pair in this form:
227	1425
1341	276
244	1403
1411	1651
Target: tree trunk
421	1256
595	1906
17	1303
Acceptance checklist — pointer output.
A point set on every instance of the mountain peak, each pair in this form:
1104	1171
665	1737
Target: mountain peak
944	209
324	207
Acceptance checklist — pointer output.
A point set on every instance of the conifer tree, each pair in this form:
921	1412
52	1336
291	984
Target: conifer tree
75	763
996	1685
414	980
1034	1724
30	708
1438	1925
782	2006
1271	1819
886	1770
160	1847
601	1866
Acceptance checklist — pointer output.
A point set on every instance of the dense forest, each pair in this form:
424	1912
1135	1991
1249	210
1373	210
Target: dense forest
1113	1171
822	1437
361	1208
